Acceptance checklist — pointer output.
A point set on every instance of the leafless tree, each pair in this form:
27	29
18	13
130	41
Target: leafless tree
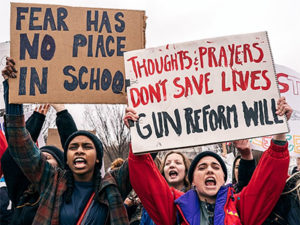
50	122
107	121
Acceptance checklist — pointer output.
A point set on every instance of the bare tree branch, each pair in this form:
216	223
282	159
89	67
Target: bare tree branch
107	121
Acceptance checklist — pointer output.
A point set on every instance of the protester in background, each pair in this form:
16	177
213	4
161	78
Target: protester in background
242	168
292	193
235	170
210	202
65	193
175	168
287	209
14	176
16	181
26	208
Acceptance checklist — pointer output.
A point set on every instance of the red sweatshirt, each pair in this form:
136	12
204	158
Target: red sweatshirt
249	207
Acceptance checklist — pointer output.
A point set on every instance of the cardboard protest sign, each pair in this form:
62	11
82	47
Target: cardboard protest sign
53	138
72	54
203	92
289	86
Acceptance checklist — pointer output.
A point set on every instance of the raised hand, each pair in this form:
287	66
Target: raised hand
42	109
243	146
283	108
130	114
9	70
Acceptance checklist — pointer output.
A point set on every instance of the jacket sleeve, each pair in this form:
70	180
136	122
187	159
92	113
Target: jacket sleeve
263	191
26	154
152	189
34	124
65	125
246	169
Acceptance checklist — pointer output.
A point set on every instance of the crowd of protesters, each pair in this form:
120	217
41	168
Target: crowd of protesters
49	185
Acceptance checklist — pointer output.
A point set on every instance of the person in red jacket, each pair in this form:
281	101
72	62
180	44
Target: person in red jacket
211	201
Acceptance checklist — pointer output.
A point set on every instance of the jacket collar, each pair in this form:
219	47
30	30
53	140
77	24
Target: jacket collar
189	206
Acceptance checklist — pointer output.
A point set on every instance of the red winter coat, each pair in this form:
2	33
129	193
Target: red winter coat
249	207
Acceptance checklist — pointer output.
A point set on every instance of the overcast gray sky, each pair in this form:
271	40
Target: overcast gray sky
172	21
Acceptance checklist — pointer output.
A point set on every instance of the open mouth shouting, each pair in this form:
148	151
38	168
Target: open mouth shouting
173	174
79	163
210	181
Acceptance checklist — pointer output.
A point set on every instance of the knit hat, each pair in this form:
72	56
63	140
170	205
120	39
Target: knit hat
199	157
55	152
94	139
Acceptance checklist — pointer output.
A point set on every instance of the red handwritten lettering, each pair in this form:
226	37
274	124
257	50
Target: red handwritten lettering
261	53
283	87
151	93
268	82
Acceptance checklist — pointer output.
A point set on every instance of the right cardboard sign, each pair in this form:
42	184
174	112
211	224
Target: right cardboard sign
203	92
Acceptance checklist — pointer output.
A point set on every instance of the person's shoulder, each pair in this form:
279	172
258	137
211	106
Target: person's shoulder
109	177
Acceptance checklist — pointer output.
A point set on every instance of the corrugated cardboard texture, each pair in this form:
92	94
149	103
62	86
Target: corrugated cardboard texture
115	31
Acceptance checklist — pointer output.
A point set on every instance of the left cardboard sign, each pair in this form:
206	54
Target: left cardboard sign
72	54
